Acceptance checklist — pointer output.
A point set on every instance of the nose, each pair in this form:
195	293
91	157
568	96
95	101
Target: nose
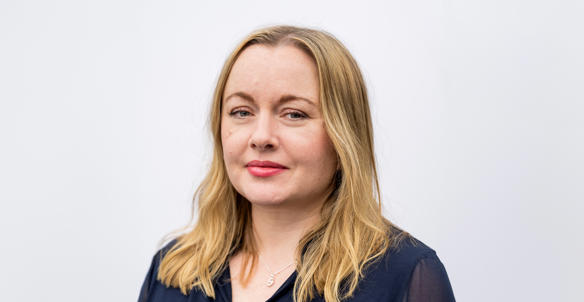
263	137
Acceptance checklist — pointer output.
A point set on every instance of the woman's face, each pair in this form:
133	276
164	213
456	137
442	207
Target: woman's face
275	145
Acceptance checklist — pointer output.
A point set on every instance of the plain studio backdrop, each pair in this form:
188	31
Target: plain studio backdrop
477	108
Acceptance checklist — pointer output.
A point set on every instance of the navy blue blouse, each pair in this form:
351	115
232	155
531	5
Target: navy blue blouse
410	272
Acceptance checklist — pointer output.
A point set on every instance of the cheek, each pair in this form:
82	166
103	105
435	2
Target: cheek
233	142
316	149
226	142
328	156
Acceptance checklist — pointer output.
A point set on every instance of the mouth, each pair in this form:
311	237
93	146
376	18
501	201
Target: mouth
264	168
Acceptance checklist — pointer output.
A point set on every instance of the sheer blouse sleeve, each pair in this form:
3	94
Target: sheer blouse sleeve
148	280
429	282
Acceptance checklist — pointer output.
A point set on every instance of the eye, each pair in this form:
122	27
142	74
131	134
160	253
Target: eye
240	113
296	115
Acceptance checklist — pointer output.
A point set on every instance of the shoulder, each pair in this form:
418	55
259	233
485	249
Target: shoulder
418	272
405	253
152	289
388	277
164	250
159	255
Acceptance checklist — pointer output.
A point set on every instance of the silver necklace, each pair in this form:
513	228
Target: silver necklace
271	275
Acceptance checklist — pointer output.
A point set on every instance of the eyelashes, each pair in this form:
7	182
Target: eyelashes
239	113
294	115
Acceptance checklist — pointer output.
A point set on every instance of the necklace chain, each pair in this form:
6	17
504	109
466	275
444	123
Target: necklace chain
271	275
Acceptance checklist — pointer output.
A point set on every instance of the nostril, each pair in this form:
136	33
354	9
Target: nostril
262	146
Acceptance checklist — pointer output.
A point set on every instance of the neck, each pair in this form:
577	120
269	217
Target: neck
278	229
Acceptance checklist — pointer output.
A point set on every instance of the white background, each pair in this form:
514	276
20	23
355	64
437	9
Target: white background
477	108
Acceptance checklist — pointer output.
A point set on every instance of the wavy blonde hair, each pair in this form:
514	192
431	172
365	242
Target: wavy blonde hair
332	256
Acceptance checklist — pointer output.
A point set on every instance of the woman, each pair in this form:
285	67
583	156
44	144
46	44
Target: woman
289	210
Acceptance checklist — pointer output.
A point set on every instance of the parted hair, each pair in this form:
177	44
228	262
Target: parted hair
352	233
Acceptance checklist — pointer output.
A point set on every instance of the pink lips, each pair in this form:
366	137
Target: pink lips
262	168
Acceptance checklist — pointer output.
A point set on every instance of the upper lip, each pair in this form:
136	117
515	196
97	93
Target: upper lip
265	163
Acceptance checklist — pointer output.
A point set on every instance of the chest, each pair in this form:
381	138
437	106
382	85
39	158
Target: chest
227	292
259	287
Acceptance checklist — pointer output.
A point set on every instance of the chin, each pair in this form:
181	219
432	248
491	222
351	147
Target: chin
264	194
265	201
264	198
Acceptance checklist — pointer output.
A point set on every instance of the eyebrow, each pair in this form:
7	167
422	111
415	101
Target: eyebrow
283	99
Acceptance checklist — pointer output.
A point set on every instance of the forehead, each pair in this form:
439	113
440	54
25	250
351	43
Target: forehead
268	72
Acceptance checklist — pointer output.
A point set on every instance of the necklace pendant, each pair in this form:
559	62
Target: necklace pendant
270	281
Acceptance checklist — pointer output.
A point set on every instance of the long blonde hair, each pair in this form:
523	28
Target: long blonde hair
332	256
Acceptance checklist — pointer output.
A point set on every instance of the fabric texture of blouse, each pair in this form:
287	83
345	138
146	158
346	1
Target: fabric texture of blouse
410	272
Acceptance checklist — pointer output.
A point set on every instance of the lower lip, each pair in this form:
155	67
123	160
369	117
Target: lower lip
264	171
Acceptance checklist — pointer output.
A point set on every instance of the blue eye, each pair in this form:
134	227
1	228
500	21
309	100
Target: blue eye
296	115
239	113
